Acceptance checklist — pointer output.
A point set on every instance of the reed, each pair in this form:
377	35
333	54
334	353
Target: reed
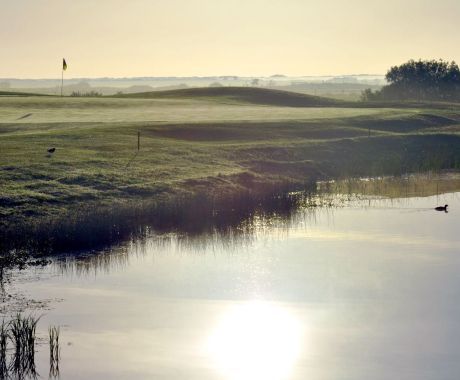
101	228
23	336
55	352
18	347
4	336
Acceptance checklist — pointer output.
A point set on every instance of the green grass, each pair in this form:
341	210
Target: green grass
201	144
242	95
271	97
163	110
18	93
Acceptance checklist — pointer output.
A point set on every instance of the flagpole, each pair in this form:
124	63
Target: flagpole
62	80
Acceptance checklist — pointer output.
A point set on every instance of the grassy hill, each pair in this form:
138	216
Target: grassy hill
18	93
277	98
251	95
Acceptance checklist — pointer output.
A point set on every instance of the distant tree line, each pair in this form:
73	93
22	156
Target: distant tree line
89	94
420	80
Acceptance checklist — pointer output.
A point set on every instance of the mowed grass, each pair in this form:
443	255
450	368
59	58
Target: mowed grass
66	110
198	144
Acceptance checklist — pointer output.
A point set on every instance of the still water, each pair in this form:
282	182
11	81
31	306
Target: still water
367	290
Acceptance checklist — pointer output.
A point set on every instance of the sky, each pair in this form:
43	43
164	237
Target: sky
121	38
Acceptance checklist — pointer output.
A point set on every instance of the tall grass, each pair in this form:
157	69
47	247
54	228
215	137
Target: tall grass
18	346
104	227
23	336
4	336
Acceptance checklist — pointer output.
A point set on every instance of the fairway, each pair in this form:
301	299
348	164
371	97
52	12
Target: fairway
52	110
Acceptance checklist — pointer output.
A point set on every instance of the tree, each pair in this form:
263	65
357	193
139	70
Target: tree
216	84
420	80
367	95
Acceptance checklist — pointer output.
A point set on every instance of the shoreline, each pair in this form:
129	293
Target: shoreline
94	228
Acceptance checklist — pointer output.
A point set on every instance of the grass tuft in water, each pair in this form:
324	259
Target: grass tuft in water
4	336
17	348
23	336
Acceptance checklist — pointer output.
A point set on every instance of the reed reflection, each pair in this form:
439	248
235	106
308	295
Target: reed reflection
18	346
217	227
240	232
92	263
102	228
55	352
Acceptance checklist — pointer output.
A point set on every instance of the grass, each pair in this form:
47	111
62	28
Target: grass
20	333
243	95
272	97
55	352
98	228
420	185
4	336
18	93
194	143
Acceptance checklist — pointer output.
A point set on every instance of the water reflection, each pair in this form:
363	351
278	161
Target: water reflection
236	228
342	288
55	352
18	343
203	216
256	340
94	263
107	227
410	185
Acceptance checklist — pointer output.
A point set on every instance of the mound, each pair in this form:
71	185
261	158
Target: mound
250	95
16	93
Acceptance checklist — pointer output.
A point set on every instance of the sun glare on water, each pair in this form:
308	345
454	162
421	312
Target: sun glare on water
256	341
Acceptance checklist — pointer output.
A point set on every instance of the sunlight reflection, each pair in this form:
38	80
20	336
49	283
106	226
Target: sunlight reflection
256	341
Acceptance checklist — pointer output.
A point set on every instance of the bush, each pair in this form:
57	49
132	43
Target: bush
420	80
88	94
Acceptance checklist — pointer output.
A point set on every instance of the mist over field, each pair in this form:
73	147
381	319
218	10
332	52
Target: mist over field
342	87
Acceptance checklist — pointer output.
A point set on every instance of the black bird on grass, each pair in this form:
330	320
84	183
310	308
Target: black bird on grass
441	208
25	116
51	150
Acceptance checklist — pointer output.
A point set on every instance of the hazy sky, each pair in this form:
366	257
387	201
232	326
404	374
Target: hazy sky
219	37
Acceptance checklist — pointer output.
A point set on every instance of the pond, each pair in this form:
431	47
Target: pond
363	288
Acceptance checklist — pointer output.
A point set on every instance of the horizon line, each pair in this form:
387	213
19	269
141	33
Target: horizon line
195	76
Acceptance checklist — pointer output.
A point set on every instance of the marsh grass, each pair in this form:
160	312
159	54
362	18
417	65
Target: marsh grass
23	336
18	338
101	228
4	337
426	184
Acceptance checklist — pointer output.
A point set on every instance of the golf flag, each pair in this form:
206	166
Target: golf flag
64	64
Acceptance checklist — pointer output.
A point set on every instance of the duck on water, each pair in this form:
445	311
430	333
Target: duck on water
441	208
